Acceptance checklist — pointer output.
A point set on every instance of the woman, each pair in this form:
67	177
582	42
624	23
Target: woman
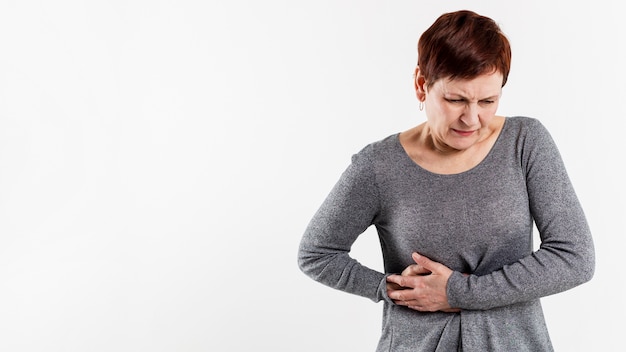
454	200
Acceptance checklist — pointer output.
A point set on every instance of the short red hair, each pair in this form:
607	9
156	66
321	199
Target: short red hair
463	44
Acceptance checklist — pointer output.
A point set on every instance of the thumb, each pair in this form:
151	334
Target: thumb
426	263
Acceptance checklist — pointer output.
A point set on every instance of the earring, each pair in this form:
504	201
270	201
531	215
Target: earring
421	106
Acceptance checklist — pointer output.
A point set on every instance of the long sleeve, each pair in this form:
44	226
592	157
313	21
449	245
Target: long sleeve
565	257
347	212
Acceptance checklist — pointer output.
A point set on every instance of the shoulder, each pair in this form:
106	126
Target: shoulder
524	122
379	150
378	159
532	139
526	128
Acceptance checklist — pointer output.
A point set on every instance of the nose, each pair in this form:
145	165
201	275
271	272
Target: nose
470	114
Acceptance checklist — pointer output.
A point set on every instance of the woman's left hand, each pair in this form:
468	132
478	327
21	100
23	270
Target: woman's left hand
421	287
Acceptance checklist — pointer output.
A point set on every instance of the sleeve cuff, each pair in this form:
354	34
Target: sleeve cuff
382	291
456	282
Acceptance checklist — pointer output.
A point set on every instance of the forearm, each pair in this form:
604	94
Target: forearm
338	270
545	272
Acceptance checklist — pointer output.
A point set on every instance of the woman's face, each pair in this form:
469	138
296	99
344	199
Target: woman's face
459	111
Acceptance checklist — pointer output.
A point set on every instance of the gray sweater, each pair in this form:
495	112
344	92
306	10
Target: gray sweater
478	222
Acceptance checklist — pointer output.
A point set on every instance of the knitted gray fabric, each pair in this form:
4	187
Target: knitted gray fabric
478	222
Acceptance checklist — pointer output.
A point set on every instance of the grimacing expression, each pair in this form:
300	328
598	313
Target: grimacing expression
459	111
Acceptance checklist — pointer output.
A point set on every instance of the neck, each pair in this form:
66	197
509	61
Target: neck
435	145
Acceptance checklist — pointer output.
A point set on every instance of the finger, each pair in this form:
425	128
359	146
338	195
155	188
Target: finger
393	286
410	303
414	270
396	279
426	263
409	270
398	296
422	308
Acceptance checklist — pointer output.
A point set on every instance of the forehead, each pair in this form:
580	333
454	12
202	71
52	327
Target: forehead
486	85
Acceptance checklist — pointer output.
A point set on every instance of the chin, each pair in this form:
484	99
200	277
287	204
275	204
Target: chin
463	145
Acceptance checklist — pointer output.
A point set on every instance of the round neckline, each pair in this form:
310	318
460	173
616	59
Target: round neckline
483	161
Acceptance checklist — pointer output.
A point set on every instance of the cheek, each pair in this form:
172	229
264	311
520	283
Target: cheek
492	108
439	111
489	113
449	114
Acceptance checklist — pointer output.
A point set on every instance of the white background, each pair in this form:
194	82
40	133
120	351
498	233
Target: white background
159	161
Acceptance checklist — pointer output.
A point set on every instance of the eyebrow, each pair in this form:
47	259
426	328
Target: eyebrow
465	98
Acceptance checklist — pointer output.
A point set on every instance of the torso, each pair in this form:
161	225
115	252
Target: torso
416	144
477	222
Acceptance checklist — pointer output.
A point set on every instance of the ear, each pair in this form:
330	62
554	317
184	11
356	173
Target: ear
419	83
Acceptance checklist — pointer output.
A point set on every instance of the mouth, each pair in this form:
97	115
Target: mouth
463	133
